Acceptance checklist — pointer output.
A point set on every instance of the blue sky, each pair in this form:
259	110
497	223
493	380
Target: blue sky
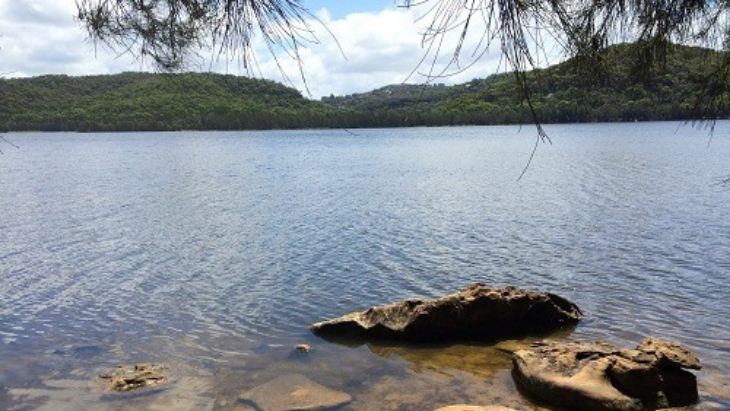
341	8
364	45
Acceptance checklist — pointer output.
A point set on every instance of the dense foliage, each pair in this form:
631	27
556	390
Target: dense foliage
573	91
170	31
568	92
145	101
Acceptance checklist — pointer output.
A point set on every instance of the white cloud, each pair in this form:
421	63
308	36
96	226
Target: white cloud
41	37
40	13
380	48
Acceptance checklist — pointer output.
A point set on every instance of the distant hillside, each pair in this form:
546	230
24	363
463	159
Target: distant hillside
146	101
573	91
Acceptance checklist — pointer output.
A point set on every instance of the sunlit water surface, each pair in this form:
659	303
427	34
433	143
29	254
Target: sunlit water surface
214	252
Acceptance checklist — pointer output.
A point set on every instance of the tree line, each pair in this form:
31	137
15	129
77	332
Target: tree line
572	91
148	101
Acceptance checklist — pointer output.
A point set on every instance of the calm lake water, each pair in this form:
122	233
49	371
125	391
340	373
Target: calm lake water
214	252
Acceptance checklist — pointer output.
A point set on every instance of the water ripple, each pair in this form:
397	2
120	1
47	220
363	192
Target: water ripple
210	246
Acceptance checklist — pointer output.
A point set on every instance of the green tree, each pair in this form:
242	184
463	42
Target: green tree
169	31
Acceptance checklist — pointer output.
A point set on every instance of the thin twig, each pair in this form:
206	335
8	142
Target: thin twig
2	138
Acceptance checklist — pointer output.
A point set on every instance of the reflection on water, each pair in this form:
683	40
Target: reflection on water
213	252
478	359
482	362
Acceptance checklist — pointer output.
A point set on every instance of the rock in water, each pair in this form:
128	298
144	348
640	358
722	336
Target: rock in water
294	393
599	377
475	312
131	377
303	347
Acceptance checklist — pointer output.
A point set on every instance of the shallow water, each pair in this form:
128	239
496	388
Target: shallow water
213	252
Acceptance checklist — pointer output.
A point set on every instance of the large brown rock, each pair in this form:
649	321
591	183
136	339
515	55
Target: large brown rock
599	377
477	311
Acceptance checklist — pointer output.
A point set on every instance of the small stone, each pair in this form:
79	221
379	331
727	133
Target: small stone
131	377
303	347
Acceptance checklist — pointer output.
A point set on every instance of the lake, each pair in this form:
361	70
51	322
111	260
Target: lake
214	251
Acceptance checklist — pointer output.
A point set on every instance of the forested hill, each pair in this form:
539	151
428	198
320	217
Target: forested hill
573	91
146	101
568	92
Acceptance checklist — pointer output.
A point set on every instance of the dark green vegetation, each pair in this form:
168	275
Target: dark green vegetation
575	91
145	101
568	92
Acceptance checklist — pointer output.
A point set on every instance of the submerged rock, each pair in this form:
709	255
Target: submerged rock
599	377
131	377
294	392
303	347
477	311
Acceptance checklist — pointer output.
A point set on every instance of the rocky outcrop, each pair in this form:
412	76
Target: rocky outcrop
600	377
477	311
131	377
294	392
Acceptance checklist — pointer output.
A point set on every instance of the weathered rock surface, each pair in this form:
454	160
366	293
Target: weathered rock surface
600	377
462	407
131	377
294	392
477	311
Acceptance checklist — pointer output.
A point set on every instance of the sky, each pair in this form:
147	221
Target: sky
362	45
